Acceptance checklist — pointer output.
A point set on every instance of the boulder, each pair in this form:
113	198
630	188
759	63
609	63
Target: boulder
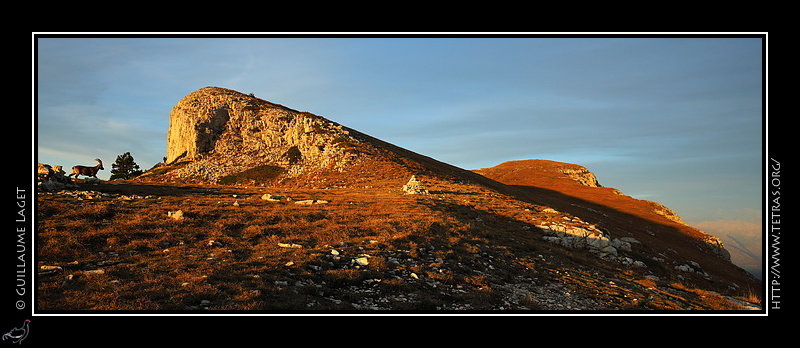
176	215
271	198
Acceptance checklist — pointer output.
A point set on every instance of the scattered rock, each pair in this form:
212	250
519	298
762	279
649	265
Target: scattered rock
311	201
290	245
271	198
45	269
91	180
361	261
176	215
691	267
50	268
52	178
588	236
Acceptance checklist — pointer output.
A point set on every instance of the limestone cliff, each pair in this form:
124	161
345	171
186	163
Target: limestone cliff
225	131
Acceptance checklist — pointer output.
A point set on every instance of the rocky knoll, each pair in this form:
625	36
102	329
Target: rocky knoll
218	135
563	186
552	173
226	132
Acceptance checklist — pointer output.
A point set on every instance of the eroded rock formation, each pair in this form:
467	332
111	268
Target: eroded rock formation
225	131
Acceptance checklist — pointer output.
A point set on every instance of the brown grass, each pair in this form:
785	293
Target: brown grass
224	254
447	250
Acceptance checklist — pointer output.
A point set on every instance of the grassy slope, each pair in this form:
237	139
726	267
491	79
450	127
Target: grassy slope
463	247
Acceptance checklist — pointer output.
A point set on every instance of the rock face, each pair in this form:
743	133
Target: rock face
218	135
660	209
228	131
580	175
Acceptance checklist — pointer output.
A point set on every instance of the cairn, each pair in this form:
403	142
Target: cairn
414	187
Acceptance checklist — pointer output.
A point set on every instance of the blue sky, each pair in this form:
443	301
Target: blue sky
673	120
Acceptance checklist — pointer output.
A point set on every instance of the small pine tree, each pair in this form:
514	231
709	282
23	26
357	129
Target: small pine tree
124	167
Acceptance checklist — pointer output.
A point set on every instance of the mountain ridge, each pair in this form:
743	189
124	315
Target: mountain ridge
520	230
543	174
319	140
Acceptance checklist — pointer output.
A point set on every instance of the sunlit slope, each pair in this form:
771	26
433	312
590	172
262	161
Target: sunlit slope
562	186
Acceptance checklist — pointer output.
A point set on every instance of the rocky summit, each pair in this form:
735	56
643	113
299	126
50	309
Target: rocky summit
221	135
230	131
261	207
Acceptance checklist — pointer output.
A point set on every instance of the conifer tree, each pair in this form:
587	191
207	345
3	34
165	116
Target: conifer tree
125	167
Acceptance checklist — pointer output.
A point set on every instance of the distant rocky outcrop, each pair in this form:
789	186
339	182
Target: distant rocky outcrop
579	174
558	179
662	210
513	171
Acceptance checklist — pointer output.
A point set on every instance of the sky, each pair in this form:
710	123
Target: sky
676	120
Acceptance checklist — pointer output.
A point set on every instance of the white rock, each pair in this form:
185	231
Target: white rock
271	198
311	201
177	215
50	268
290	245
